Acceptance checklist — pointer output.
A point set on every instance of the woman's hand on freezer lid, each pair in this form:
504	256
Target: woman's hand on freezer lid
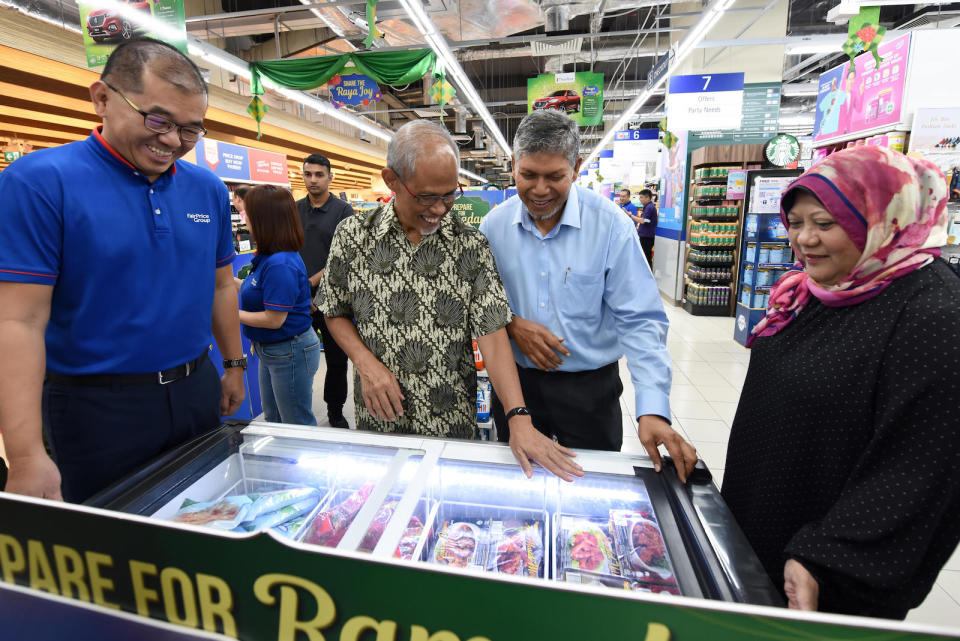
655	431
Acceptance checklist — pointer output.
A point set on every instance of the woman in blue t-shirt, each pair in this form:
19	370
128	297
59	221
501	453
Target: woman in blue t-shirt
275	308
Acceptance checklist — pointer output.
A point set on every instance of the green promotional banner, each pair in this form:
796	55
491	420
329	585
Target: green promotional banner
258	588
106	23
579	95
474	205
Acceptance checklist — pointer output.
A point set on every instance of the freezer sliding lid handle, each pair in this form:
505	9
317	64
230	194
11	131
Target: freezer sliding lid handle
700	473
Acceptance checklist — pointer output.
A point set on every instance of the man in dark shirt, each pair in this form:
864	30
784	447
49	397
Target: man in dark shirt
320	213
647	224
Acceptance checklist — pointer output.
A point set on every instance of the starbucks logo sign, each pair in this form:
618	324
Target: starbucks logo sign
781	150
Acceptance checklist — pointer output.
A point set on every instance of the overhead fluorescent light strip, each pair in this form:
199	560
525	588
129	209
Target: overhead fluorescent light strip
438	43
708	19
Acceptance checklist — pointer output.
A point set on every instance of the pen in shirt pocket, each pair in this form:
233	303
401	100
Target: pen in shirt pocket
565	274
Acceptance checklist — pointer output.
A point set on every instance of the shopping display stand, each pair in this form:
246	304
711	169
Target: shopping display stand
765	248
714	227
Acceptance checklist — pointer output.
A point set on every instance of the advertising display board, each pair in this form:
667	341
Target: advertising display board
673	182
104	25
761	116
865	97
936	136
236	163
579	95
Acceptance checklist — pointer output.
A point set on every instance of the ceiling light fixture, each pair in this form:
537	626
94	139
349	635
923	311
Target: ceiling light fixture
708	19
438	43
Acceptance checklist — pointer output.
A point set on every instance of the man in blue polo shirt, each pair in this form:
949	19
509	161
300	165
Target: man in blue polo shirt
115	263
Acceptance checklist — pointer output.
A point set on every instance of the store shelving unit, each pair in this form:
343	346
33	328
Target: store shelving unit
714	224
765	247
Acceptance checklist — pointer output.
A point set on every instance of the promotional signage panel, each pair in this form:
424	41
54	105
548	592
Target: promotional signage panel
852	100
660	68
256	587
237	163
107	24
673	185
936	136
579	95
353	89
705	101
474	205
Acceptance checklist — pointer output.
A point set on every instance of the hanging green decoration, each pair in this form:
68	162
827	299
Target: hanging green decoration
442	91
257	110
372	32
864	33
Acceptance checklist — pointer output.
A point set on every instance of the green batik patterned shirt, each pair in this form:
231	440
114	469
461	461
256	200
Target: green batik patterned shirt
415	307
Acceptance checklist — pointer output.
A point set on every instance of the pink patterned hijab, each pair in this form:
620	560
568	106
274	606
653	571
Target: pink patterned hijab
892	207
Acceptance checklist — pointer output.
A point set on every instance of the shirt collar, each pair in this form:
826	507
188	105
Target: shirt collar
384	218
570	216
97	135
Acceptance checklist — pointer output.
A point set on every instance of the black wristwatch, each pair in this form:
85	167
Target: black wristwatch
237	362
518	411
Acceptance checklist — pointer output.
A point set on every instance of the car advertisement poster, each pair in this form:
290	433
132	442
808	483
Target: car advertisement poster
578	94
107	23
865	97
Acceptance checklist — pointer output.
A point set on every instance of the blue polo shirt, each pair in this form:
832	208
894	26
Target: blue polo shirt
278	282
132	263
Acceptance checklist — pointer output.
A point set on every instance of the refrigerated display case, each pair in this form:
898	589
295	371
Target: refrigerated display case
460	504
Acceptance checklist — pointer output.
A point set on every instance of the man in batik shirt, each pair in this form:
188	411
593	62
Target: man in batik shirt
418	282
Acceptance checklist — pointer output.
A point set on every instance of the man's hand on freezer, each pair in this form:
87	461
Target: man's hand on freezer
528	444
653	432
34	475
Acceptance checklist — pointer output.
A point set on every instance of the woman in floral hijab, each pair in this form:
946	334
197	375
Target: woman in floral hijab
843	465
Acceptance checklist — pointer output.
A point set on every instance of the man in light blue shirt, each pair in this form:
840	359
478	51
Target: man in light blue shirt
582	295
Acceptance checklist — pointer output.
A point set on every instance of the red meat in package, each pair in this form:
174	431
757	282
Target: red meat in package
517	548
375	531
642	552
460	544
329	526
409	540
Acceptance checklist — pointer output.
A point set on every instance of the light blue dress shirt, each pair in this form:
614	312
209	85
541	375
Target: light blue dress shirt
588	282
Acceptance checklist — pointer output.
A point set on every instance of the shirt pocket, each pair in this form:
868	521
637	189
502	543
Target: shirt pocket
581	294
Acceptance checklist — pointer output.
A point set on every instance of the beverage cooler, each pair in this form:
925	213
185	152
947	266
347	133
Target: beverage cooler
460	505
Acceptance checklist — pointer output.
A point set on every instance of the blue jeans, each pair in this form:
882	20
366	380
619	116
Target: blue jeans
287	369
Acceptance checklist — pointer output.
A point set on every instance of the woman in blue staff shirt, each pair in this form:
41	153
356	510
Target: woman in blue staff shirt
275	308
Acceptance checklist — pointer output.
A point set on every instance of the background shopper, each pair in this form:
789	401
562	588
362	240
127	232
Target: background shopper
275	308
647	224
842	465
320	213
112	299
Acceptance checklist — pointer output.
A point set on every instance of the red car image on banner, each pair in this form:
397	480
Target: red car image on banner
563	100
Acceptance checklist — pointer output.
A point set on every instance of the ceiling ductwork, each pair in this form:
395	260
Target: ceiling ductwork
557	18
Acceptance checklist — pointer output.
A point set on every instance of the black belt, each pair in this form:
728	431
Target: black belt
107	380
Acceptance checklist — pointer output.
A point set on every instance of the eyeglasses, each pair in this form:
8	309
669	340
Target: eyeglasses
161	124
430	201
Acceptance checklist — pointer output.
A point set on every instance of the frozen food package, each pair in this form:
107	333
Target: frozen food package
264	502
291	528
375	531
460	544
329	526
641	551
225	514
278	517
409	540
516	547
586	545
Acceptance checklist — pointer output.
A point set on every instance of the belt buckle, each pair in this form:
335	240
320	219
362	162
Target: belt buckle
161	380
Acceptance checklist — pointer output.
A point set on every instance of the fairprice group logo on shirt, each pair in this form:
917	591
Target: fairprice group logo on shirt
199	218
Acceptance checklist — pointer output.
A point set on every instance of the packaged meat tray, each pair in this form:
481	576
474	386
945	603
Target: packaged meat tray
516	547
641	551
249	512
330	524
461	544
585	544
408	542
375	531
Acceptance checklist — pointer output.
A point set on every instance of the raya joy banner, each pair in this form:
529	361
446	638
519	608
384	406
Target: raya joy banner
865	97
579	95
107	23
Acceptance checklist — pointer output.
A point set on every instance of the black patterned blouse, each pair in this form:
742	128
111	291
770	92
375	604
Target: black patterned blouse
415	307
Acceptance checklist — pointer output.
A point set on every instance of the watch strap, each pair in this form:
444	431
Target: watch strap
518	411
237	362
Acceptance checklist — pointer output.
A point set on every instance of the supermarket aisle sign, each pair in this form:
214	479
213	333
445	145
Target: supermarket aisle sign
237	163
705	101
257	587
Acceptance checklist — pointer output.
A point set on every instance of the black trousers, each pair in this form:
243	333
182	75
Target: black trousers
579	409
646	244
98	435
335	382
